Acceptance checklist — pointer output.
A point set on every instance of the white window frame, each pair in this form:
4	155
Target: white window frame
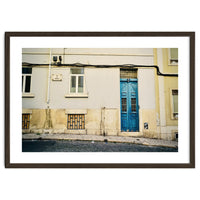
26	94
172	105
24	82
77	94
169	58
77	76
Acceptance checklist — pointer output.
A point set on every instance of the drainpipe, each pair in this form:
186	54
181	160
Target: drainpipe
49	79
102	123
48	117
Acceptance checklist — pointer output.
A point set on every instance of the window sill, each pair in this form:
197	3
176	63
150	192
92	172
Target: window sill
76	95
28	95
76	111
173	64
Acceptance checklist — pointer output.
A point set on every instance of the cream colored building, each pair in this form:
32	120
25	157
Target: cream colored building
129	92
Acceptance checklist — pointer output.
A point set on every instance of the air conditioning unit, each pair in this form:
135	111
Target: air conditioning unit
57	60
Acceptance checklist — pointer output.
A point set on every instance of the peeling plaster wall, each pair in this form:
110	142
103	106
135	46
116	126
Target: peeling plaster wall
167	125
97	121
38	89
147	102
109	56
102	91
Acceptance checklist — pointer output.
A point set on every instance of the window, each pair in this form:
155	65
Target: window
173	52
124	105
25	121
77	80
128	73
26	80
133	105
175	103
76	121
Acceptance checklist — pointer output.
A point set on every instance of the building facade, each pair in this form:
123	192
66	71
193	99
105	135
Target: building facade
121	92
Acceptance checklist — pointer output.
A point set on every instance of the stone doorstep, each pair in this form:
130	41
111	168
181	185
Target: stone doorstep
132	140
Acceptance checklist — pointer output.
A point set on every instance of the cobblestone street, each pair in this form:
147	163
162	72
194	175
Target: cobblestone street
92	143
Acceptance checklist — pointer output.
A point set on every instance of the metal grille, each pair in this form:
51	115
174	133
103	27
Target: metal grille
76	121
133	104
124	105
128	73
25	121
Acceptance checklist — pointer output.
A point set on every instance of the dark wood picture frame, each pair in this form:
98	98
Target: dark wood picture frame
190	35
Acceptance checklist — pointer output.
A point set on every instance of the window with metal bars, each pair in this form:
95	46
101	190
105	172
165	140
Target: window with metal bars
76	121
25	121
124	105
128	73
133	104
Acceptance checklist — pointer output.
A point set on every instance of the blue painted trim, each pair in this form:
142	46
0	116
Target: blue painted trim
130	79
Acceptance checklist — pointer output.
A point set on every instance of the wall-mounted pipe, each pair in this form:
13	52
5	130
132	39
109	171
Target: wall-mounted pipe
49	79
127	66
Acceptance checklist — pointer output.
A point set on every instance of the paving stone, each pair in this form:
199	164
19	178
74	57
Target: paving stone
144	141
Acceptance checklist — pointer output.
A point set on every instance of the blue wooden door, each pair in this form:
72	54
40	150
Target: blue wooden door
129	105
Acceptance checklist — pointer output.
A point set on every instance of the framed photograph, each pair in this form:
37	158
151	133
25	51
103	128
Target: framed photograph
99	99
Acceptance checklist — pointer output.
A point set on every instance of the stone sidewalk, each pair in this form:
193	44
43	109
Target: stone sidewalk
133	140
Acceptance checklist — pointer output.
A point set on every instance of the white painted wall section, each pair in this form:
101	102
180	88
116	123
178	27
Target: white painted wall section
146	88
38	89
161	90
101	85
92	56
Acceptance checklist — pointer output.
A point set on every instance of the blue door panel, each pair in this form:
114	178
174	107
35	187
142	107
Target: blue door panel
124	115
129	105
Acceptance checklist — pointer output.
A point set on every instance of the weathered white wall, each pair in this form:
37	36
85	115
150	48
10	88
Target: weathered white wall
76	51
98	56
38	89
110	60
146	88
161	90
101	85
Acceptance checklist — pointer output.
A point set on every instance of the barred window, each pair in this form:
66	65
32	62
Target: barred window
128	73
124	105
76	121
133	104
25	121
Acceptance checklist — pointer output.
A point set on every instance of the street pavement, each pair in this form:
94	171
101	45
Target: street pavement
119	139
